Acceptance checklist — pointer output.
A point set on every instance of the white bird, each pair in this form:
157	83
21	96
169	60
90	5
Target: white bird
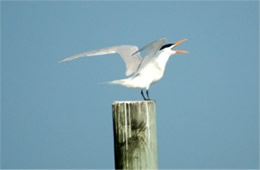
145	71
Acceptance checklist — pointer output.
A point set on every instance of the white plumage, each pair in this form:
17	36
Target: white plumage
145	71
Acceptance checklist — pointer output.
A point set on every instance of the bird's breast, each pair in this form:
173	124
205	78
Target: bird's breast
159	66
153	72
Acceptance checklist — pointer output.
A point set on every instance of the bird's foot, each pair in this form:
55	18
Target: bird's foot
142	93
147	94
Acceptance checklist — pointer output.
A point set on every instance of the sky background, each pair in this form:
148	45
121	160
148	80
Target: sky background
59	116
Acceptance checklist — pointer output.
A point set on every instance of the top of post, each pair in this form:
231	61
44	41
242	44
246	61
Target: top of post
135	102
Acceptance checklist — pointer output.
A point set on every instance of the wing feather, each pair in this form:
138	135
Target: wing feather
132	62
151	48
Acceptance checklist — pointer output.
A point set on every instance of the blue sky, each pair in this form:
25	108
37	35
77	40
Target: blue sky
59	116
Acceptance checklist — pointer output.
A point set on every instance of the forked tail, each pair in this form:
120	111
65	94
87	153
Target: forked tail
130	82
124	82
120	82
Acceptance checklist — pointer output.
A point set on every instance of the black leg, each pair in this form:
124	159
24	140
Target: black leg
142	93
147	94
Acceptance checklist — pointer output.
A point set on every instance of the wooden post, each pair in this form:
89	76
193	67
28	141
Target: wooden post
135	140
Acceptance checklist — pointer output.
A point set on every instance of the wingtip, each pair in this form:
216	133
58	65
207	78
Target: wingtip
62	61
163	38
106	83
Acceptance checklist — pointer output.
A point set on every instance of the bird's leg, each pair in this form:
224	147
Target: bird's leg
147	94
142	93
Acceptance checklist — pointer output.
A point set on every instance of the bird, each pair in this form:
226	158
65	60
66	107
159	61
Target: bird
141	71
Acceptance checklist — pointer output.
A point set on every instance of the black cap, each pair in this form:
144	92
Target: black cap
166	46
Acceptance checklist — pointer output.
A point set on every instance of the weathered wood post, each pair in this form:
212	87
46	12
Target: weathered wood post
135	140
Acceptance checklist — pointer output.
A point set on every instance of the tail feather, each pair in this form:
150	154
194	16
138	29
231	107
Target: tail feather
128	82
119	82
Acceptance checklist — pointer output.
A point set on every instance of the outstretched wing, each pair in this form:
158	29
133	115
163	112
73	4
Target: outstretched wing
132	62
153	46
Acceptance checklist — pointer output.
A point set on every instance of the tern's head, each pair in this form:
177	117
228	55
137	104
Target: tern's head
170	48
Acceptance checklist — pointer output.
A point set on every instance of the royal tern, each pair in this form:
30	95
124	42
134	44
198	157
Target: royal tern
145	71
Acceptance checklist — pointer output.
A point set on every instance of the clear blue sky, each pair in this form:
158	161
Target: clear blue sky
59	116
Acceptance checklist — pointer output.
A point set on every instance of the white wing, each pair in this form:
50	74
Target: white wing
152	48
132	61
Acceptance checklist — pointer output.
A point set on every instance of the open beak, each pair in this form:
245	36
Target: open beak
178	43
181	51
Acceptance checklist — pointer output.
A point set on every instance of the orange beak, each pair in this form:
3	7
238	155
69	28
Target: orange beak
181	51
178	43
